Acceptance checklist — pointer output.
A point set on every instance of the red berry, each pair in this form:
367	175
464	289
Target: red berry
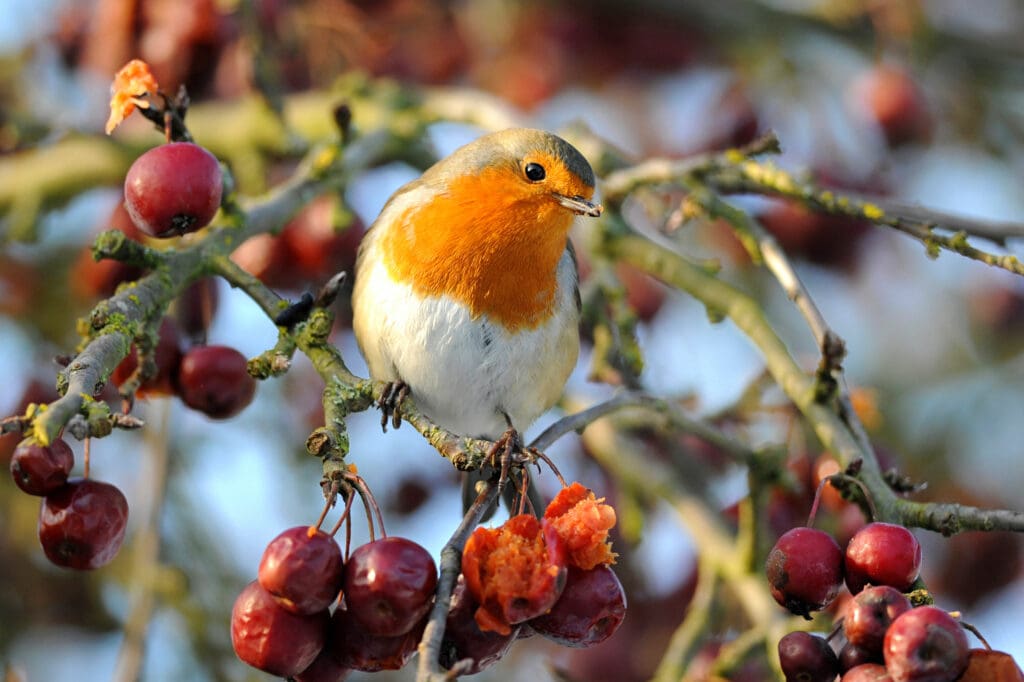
166	357
90	278
882	554
888	96
851	656
301	570
388	585
317	248
463	638
214	380
806	658
39	469
925	645
195	308
871	613
805	570
867	672
356	648
324	668
82	523
589	611
173	189
269	637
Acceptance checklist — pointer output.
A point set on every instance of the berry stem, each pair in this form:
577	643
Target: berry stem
332	496
972	629
86	447
817	501
864	490
369	501
344	513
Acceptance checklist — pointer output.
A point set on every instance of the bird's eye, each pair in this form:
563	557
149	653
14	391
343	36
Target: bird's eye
534	172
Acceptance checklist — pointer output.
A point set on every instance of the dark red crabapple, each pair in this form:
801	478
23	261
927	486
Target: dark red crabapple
925	644
851	656
173	189
869	615
324	668
272	639
214	381
166	357
41	469
588	612
195	308
355	648
805	570
463	638
867	672
302	568
388	585
806	658
882	554
90	278
82	523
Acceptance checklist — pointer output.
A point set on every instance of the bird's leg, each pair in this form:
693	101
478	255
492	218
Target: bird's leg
390	402
502	453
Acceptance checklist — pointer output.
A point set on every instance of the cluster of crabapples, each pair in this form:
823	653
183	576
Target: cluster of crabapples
81	520
171	190
313	615
887	638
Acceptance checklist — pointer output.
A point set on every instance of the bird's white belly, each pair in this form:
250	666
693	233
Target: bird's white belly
466	374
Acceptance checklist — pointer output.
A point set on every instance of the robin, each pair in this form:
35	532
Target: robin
466	292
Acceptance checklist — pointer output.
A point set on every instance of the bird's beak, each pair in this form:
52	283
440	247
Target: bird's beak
579	205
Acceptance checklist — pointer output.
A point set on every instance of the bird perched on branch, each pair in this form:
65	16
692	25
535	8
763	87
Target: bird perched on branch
466	290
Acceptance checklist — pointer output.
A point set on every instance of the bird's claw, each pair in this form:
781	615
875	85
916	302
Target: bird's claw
505	452
390	404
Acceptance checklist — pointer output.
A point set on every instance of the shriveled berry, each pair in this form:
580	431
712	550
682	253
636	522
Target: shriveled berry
268	637
806	658
173	189
867	672
988	665
82	523
589	611
41	469
302	569
882	554
925	644
214	381
872	611
463	638
356	648
389	584
805	570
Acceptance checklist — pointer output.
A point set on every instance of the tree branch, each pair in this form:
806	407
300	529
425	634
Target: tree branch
451	565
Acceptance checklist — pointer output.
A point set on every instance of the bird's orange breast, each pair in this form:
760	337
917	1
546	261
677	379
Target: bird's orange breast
490	244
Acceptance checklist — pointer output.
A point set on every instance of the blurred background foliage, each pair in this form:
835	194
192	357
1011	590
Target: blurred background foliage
917	100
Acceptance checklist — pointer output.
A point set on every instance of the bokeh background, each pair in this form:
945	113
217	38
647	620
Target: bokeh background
920	101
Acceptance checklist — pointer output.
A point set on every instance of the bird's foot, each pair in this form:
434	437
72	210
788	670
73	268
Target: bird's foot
505	452
390	404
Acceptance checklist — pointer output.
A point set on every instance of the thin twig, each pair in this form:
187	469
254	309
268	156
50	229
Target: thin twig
451	565
146	558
